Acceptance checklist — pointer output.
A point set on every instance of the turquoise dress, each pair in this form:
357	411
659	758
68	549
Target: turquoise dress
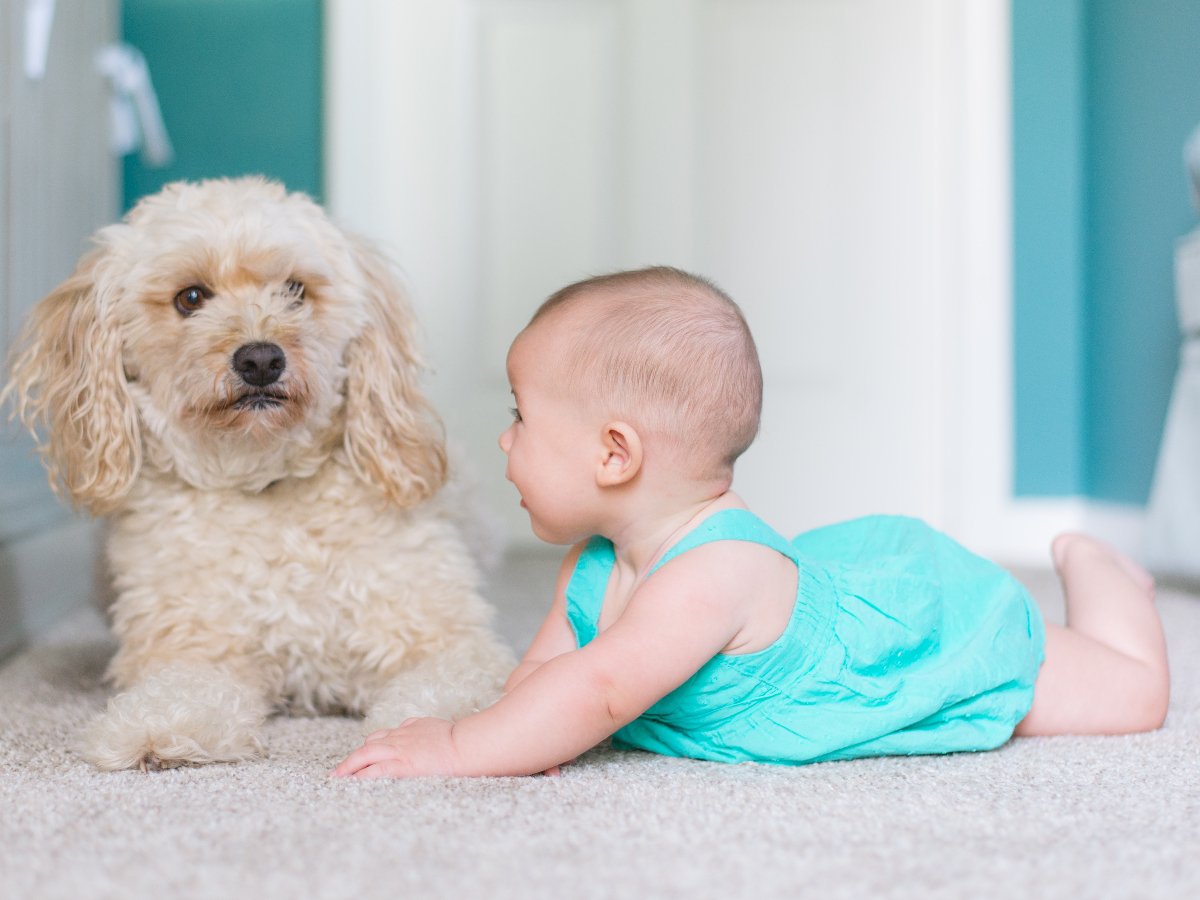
901	641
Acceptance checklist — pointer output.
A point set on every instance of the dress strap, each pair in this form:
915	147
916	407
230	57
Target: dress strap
730	525
589	582
585	591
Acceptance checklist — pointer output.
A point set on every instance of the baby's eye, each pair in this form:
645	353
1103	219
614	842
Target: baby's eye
516	413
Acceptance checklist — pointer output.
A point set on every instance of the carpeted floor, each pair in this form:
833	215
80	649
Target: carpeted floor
1058	817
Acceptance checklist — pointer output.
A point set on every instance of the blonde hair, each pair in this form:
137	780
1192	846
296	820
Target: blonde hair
671	352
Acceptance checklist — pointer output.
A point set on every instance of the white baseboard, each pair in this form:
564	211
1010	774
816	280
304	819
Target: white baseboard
1122	525
43	577
1021	531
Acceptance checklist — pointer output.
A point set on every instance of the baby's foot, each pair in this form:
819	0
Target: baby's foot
1073	543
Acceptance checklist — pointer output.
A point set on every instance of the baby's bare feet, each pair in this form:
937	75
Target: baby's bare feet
1071	546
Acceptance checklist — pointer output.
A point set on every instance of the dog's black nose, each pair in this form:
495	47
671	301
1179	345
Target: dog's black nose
259	364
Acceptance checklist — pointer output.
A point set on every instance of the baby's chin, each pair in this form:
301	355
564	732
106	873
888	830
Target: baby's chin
558	537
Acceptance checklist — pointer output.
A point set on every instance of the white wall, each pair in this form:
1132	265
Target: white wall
840	166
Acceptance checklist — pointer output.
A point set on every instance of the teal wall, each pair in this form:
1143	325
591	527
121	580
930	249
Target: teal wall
1048	249
1143	102
1104	94
240	86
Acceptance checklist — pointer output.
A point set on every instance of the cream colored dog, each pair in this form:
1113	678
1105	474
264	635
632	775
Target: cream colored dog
232	380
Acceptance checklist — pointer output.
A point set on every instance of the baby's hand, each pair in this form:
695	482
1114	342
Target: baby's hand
417	747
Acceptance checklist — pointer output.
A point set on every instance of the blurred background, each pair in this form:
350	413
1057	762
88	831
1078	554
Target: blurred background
951	223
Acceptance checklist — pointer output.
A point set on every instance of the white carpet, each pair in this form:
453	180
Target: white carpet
1054	817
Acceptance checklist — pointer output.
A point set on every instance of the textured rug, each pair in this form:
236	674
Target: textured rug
1050	817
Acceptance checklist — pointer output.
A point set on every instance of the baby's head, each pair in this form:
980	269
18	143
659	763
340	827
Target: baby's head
668	352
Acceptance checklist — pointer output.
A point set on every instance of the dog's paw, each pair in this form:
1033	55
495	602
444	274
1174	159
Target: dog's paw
177	717
113	743
447	686
152	762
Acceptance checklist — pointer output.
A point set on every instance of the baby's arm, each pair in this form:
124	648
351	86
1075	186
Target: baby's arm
673	625
555	635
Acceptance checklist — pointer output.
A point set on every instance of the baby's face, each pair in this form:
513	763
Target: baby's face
553	444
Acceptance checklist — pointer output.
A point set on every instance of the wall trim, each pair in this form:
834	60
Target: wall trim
1121	524
978	505
1021	530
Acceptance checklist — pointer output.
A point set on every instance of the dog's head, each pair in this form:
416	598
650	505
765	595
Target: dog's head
228	331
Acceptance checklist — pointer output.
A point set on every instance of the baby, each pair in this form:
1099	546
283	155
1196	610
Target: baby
684	625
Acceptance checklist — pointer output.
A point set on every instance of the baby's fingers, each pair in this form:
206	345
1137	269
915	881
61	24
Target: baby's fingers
384	732
388	768
367	755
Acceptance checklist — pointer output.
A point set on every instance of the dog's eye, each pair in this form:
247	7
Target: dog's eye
191	299
294	289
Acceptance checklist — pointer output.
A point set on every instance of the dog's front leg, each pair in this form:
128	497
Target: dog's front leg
460	680
179	714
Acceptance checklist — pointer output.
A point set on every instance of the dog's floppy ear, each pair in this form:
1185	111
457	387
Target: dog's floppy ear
394	439
68	387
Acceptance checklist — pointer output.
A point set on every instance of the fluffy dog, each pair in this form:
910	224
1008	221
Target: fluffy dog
233	381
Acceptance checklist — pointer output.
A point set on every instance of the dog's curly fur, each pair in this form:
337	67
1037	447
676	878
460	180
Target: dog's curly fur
278	546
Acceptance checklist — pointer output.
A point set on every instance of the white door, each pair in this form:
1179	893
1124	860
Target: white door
807	155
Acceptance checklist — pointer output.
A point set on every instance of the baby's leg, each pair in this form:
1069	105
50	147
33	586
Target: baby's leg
1106	671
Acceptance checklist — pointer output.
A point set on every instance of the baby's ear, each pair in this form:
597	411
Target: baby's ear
621	454
394	439
68	387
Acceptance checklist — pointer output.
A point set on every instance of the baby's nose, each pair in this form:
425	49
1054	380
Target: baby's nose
505	439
